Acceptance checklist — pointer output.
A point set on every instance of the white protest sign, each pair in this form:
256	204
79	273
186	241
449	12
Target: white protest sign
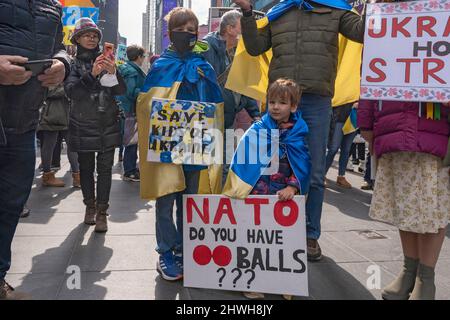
407	51
254	245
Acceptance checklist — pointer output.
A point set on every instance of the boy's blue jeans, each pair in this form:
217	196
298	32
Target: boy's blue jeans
17	162
316	111
168	235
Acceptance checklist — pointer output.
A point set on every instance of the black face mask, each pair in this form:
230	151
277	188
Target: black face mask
182	41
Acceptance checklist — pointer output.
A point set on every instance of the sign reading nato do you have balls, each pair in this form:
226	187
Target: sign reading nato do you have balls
255	245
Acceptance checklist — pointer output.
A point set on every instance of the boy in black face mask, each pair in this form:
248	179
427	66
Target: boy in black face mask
182	73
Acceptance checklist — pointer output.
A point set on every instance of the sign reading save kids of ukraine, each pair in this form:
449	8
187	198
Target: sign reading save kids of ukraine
407	51
254	245
182	132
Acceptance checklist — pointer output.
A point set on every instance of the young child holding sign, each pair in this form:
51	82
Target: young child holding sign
293	174
180	73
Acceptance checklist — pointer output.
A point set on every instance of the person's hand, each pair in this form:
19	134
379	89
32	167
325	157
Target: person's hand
368	136
54	75
243	4
287	193
98	66
109	66
11	74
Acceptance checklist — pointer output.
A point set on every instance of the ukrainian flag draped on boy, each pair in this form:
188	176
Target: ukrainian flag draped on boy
250	160
249	75
164	81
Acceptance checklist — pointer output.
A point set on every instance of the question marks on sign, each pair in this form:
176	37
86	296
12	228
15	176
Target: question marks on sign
238	272
238	277
223	275
249	282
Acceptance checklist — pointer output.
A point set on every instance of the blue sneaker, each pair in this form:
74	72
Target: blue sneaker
178	256
168	268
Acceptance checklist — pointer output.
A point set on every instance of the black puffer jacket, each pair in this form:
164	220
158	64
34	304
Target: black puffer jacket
32	29
94	116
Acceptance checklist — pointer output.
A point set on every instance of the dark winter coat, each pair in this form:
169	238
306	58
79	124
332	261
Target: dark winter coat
305	45
55	111
94	116
32	29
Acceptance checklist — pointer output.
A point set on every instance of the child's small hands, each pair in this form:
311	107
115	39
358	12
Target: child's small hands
287	193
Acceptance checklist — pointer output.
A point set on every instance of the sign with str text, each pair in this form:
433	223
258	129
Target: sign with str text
255	245
181	132
407	51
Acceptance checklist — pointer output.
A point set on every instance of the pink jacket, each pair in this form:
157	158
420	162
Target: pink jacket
397	126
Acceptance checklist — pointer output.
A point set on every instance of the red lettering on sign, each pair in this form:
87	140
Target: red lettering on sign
399	27
408	67
422	26
224	207
427	72
447	28
382	31
256	202
381	75
291	218
203	215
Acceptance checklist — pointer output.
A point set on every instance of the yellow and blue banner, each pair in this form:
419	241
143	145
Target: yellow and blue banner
171	77
255	154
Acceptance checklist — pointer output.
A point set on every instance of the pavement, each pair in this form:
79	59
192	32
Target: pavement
122	263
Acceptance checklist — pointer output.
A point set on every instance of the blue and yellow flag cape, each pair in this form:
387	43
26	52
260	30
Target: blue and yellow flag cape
351	125
249	75
245	172
164	81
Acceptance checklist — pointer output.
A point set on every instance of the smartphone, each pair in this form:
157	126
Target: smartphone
108	51
37	67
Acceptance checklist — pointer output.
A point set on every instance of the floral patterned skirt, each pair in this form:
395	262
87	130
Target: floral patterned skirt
412	192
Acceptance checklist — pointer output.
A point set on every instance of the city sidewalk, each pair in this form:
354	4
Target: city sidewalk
122	263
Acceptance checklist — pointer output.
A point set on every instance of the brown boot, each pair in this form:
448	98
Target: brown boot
49	180
8	293
76	180
314	251
342	182
101	220
91	210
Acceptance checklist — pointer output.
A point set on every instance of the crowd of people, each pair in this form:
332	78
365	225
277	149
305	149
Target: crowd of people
96	107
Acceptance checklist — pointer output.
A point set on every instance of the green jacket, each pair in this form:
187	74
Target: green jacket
305	45
55	111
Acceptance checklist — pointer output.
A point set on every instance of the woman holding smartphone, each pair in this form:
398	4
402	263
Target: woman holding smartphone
94	129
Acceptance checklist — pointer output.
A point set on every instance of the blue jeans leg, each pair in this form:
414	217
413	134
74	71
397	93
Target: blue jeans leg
17	162
346	145
316	112
334	145
168	235
192	182
130	159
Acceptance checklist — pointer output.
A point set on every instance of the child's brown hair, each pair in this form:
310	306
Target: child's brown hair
179	16
285	89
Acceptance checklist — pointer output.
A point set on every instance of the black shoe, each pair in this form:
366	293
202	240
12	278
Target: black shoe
367	186
132	177
25	213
